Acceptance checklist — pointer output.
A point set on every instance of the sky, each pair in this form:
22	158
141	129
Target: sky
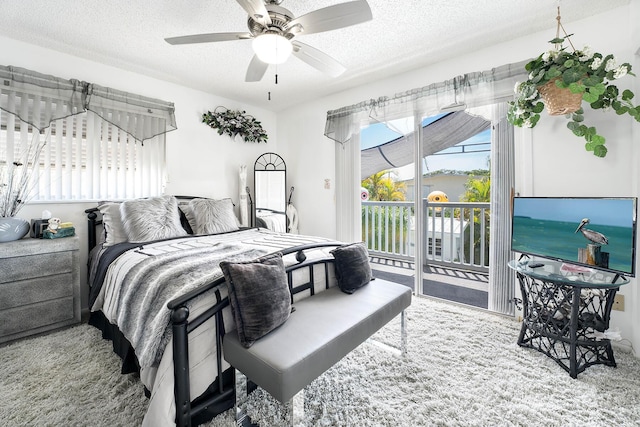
619	212
378	133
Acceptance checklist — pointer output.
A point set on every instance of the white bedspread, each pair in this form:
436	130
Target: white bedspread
158	377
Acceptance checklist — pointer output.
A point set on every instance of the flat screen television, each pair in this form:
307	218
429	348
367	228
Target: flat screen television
549	227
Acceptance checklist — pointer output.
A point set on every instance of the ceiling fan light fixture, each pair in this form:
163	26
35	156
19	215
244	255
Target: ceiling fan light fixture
272	48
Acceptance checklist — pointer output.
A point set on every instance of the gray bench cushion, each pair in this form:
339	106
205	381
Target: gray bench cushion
323	329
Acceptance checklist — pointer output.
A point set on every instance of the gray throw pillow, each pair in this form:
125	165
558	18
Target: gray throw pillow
352	266
183	205
213	216
112	223
259	296
150	219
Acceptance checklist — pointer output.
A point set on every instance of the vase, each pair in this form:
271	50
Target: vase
559	101
13	229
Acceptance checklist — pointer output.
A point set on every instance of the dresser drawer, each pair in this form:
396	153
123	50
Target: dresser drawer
34	316
39	286
25	292
41	265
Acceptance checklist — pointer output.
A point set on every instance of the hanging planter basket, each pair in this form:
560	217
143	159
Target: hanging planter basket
562	80
559	101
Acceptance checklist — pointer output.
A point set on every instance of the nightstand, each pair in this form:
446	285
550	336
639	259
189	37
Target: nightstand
39	286
564	309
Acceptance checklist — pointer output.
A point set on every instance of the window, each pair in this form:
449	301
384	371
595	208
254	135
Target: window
82	157
437	247
70	140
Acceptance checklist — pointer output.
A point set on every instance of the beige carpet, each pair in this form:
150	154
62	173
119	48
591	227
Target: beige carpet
463	369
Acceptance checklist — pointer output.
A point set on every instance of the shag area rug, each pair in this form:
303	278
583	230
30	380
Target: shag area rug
463	368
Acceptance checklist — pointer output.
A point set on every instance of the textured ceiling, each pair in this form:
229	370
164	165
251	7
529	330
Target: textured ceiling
403	35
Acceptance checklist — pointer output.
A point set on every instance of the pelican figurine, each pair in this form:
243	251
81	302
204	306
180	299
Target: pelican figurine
593	236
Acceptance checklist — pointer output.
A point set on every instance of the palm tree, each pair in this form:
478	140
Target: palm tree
383	186
477	190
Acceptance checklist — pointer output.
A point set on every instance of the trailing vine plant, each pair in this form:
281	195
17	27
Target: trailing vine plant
589	75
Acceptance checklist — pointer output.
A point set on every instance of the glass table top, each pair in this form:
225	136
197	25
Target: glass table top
571	274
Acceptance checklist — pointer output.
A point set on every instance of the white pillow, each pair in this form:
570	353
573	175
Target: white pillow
150	219
112	223
213	216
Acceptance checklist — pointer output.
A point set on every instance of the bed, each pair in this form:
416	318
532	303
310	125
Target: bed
157	292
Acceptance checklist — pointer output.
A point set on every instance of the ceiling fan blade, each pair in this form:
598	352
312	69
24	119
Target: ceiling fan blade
317	59
334	17
256	70
208	38
256	10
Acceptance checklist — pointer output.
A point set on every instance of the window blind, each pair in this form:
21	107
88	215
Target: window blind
69	140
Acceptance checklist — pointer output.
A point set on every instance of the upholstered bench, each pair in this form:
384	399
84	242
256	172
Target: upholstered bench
322	330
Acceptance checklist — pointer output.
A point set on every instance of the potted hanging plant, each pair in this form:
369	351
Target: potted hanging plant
235	122
564	79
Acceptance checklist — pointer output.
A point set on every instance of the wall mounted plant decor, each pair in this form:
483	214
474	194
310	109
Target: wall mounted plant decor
563	79
235	122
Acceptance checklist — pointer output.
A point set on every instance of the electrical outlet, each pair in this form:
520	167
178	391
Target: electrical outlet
618	302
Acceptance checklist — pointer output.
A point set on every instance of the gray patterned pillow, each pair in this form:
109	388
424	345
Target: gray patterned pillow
150	219
353	270
213	216
259	296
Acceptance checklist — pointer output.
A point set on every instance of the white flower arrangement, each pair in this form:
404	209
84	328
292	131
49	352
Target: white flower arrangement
235	122
18	177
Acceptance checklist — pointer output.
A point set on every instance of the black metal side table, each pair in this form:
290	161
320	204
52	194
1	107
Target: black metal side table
566	311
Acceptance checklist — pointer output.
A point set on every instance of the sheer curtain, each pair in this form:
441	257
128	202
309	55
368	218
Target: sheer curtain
139	116
474	92
501	289
344	128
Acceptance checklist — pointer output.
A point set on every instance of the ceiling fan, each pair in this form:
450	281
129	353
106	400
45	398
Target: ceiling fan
273	29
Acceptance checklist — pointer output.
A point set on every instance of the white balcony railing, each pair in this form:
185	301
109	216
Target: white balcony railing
456	234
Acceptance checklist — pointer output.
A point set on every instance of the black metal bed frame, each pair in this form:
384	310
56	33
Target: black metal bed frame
223	388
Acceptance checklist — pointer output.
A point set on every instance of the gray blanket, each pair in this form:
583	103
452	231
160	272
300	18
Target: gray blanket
143	316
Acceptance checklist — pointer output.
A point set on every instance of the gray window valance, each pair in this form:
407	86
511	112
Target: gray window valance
471	90
141	117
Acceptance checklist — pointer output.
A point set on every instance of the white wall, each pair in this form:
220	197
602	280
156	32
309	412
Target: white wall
551	160
199	161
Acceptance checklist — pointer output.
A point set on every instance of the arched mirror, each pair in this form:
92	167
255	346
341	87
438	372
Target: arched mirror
270	186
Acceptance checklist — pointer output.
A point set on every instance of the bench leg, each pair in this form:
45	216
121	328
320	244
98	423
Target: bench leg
241	397
402	351
403	333
294	410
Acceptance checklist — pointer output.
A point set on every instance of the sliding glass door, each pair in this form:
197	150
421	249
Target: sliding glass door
387	198
426	186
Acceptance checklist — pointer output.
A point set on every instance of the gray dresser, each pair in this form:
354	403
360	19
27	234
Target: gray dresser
39	286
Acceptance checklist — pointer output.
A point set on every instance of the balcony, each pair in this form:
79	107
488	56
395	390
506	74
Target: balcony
456	253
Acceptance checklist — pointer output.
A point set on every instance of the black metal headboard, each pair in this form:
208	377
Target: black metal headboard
92	225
